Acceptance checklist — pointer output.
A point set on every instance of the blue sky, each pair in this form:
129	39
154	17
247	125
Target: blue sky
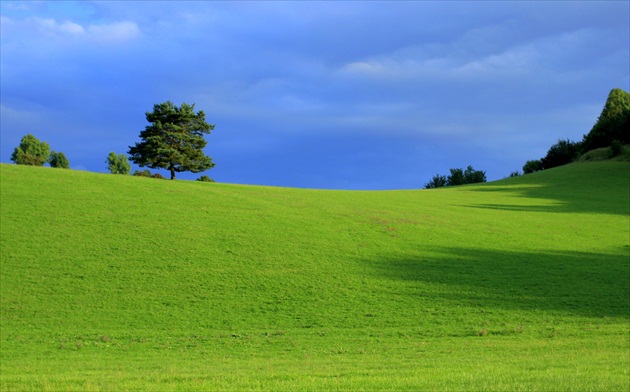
337	95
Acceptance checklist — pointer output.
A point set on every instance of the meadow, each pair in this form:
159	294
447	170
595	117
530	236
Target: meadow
112	282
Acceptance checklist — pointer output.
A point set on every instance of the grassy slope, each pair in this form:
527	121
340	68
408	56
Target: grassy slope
121	282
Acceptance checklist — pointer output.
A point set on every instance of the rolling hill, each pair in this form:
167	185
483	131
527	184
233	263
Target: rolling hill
119	282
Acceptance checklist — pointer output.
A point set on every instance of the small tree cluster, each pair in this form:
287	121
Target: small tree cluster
457	177
35	153
561	153
612	130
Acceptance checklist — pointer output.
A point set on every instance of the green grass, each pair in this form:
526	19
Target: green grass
125	283
604	154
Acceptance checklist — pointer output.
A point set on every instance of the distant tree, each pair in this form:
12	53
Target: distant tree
612	124
472	176
515	173
58	159
436	182
532	166
455	178
174	141
118	164
31	152
205	179
561	153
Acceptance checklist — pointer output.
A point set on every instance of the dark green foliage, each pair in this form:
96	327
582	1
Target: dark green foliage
174	141
457	177
561	153
205	178
515	173
142	173
147	173
472	176
118	164
616	148
613	123
58	159
436	182
31	152
532	166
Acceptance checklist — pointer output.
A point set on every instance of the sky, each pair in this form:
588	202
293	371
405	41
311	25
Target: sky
332	95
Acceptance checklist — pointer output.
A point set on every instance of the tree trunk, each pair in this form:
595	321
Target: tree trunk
172	168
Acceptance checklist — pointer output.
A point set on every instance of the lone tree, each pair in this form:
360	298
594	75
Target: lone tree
31	152
174	141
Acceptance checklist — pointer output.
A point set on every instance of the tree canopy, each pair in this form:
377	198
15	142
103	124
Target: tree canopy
174	141
31	152
118	164
612	124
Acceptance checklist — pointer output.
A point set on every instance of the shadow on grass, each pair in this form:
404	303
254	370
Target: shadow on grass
585	188
588	284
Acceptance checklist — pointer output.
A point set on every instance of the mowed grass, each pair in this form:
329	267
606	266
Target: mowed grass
123	283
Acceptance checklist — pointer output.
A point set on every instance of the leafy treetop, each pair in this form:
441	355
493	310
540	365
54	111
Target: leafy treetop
31	152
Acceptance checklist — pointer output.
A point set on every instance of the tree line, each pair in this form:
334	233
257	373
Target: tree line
611	131
457	177
173	141
35	153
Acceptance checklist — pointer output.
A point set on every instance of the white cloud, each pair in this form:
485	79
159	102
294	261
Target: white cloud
38	28
454	62
114	32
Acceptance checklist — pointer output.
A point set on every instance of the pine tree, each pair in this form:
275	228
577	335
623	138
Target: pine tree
174	141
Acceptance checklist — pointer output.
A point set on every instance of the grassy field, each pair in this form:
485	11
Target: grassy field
124	283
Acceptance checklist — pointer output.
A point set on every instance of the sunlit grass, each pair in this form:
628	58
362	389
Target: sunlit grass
118	282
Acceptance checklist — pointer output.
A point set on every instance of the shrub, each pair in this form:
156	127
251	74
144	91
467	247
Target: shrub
532	166
58	159
436	182
457	177
561	153
205	179
616	148
158	176
118	164
142	173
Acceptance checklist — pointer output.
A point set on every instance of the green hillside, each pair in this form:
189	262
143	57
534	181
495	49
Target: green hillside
113	282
